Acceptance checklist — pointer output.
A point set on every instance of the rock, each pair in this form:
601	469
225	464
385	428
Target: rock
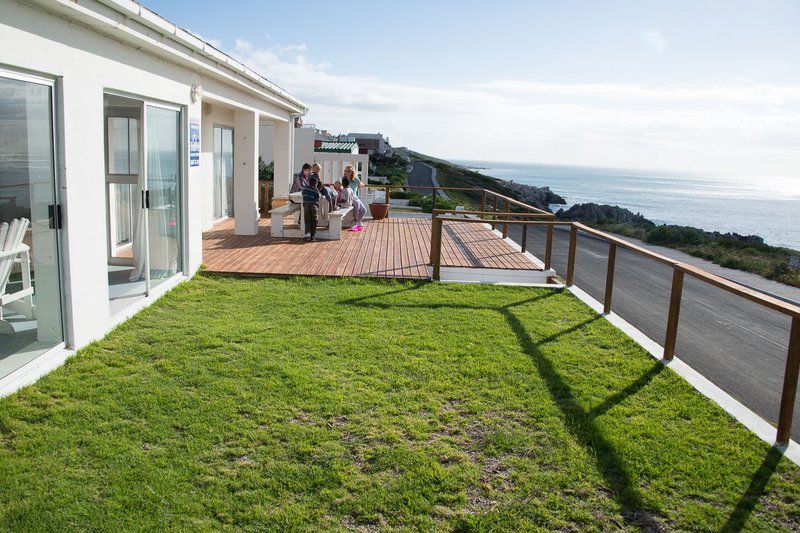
540	197
749	239
592	212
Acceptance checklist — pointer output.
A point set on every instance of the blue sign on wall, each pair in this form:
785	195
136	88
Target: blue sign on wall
194	143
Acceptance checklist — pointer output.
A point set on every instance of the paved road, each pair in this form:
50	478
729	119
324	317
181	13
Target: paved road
738	345
422	175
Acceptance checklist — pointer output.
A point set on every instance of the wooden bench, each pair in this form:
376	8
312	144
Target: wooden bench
333	231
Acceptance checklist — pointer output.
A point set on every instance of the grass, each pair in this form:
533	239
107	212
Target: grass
327	404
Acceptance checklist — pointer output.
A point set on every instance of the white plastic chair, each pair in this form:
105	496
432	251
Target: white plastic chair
13	251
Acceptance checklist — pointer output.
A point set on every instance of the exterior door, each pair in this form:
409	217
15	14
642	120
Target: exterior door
162	193
223	172
30	269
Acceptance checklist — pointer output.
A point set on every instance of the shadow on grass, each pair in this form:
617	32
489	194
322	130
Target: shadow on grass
630	390
411	286
579	421
756	489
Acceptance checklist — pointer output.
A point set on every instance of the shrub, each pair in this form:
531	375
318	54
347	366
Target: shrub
403	195
680	235
426	203
265	171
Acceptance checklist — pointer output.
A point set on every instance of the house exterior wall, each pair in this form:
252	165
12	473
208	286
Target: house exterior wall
86	63
266	142
303	147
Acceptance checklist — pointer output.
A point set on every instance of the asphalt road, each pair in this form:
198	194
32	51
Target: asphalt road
421	175
738	345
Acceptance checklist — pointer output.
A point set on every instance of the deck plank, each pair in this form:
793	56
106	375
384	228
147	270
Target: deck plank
389	248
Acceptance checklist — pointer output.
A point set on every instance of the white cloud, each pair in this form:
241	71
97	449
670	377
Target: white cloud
738	130
655	40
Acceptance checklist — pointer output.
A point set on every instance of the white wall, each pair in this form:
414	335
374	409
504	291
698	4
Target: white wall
89	63
266	142
303	147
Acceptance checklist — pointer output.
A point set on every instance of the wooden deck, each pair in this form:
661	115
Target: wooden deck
389	248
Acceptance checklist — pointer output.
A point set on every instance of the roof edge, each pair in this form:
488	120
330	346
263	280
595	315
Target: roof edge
132	11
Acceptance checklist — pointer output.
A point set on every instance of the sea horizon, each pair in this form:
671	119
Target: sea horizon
766	207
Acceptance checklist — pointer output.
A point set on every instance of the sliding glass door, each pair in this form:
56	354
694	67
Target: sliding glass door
30	278
162	194
223	172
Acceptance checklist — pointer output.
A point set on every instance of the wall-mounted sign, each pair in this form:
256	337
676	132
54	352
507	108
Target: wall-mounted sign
194	143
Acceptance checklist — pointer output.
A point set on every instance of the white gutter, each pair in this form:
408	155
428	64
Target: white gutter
135	24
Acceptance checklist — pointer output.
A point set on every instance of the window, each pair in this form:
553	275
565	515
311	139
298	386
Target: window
123	146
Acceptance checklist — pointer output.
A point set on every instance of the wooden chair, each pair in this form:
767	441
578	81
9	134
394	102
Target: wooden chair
13	251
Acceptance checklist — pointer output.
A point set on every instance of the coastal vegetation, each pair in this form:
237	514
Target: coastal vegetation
748	253
413	405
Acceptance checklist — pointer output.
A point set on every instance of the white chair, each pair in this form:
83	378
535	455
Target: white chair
12	251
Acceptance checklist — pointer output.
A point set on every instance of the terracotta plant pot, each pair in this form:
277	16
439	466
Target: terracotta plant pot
379	211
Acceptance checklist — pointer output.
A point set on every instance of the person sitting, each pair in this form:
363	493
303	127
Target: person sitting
355	182
344	198
311	198
359	209
324	190
301	178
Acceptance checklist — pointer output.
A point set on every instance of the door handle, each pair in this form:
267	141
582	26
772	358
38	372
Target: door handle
55	220
147	199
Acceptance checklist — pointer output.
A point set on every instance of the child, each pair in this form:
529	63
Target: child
344	197
311	208
359	210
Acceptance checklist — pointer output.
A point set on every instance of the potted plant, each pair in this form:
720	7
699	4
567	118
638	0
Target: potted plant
379	210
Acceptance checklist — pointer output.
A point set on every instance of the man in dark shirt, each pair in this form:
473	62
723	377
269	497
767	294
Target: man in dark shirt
311	207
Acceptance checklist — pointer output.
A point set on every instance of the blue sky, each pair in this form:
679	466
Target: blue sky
711	87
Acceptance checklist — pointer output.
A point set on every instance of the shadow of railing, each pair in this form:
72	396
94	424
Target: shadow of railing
579	421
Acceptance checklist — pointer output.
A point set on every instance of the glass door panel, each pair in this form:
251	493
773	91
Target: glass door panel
162	127
227	167
30	282
223	172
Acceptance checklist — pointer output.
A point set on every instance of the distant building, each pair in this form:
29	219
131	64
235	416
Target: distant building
335	147
369	143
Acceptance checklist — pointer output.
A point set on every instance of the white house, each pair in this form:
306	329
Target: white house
122	137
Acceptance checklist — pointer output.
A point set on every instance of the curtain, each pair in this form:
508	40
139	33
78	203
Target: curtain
138	247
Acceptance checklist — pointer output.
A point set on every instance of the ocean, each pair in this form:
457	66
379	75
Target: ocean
769	208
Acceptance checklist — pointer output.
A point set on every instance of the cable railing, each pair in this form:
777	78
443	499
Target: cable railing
679	271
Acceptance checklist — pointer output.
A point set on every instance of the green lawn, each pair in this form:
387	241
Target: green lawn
324	404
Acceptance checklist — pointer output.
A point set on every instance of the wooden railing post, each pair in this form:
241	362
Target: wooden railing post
674	313
508	214
612	259
789	391
573	244
548	248
437	248
494	212
524	244
433	237
483	201
434	198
